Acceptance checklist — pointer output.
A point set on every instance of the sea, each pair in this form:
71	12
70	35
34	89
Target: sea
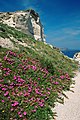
70	53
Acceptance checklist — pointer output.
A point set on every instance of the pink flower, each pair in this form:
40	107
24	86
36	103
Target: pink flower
37	90
7	73
0	64
34	110
1	80
56	83
20	80
21	93
26	94
32	98
24	113
6	93
19	113
15	104
48	88
5	58
48	93
3	89
41	104
34	68
62	77
46	98
15	77
9	97
4	69
38	78
13	93
28	66
0	85
12	109
42	100
24	119
29	90
38	99
2	101
36	107
12	53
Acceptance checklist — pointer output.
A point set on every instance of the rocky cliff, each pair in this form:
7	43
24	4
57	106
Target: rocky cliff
27	21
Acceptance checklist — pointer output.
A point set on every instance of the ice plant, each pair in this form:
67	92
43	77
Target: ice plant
3	101
5	94
15	103
62	77
4	89
34	67
56	83
25	113
27	88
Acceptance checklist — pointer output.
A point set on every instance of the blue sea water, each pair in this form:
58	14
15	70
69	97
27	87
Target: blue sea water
70	53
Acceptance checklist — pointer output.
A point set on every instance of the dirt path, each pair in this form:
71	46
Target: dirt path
71	108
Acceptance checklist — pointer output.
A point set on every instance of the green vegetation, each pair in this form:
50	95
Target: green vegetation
32	78
7	31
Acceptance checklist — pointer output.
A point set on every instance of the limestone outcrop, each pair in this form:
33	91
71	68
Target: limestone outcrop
77	57
27	21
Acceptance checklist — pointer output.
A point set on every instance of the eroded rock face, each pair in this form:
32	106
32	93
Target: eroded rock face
27	21
77	57
6	43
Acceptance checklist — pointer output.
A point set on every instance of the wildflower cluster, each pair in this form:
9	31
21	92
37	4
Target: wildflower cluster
26	88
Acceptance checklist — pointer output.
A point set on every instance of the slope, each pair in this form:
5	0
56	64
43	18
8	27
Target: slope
32	76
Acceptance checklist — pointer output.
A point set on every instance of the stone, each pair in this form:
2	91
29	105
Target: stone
27	21
77	57
6	43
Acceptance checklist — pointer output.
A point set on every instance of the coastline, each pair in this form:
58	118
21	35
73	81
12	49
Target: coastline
70	53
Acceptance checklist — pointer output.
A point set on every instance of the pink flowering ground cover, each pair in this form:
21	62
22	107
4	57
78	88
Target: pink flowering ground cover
27	89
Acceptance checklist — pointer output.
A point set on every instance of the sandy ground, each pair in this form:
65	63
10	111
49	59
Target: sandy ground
71	108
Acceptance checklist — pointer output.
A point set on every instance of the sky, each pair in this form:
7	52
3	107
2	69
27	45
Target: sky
60	18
